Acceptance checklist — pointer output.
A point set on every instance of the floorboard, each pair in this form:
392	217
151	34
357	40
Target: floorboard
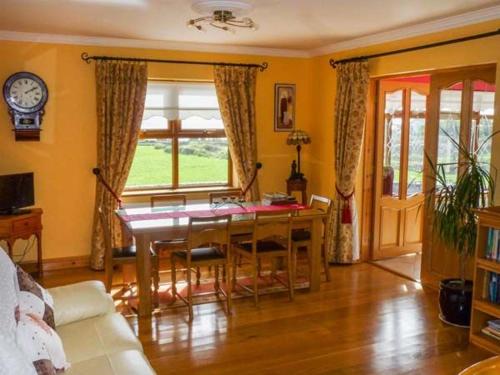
365	321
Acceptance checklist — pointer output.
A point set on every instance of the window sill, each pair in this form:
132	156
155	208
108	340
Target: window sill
187	190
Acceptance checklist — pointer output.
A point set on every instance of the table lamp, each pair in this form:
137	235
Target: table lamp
297	138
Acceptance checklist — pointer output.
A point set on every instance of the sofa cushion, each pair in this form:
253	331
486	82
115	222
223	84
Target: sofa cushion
129	362
34	299
12	359
97	336
8	296
80	301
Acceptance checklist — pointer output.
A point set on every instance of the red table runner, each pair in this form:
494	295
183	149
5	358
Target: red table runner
210	213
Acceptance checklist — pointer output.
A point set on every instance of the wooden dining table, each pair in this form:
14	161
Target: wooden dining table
149	224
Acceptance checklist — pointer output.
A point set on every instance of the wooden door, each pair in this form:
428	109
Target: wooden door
399	190
461	103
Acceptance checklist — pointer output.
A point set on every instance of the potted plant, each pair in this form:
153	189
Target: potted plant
454	220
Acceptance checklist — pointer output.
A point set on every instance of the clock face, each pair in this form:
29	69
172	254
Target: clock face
25	92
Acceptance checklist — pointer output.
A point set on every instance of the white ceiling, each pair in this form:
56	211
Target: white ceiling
285	24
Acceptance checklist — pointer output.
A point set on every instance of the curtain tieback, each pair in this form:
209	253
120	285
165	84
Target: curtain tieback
346	209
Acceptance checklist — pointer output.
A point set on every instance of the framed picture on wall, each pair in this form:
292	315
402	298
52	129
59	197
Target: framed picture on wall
284	107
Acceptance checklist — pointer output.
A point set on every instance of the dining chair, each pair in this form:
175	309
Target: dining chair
164	248
271	240
114	256
208	240
301	238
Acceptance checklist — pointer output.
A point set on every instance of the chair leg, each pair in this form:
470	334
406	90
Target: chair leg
109	277
233	279
294	264
156	280
291	280
259	267
216	283
229	290
326	265
190	295
198	276
174	279
255	281
224	273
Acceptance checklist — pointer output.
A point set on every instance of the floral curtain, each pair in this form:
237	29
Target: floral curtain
342	236
121	94
235	86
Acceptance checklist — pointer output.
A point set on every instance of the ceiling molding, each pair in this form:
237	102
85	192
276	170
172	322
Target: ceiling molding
442	24
149	44
465	19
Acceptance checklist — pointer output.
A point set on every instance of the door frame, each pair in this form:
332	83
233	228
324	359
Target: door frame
367	180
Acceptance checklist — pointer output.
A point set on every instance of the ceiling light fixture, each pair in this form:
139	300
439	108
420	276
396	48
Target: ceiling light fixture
223	15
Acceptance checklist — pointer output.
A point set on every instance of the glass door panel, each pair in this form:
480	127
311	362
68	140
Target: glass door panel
450	111
483	110
416	143
392	143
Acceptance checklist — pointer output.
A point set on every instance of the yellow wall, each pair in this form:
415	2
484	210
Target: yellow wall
62	161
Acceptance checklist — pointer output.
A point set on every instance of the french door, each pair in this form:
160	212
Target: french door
399	162
461	106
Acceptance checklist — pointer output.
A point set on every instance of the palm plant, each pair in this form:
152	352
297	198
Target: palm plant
454	203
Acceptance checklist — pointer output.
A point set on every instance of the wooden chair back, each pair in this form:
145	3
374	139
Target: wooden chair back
209	232
168	200
319	202
275	226
221	195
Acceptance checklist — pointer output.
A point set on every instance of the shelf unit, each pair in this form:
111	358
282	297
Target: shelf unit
482	309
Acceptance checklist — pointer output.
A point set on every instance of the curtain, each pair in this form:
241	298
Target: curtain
342	236
235	88
121	94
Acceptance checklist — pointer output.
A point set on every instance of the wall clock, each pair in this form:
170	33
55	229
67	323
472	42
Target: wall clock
26	95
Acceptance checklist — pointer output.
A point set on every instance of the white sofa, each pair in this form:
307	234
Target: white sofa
97	340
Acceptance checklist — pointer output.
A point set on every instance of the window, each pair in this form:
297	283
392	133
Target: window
182	141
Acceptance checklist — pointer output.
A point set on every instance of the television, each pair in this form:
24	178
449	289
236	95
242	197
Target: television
16	192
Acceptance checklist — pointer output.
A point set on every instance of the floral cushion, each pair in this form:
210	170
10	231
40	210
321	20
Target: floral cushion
34	299
8	296
40	344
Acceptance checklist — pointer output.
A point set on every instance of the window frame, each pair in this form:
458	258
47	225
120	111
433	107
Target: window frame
174	132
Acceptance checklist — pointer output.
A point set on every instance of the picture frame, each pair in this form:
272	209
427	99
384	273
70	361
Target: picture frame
284	107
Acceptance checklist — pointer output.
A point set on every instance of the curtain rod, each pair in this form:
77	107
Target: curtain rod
85	57
334	63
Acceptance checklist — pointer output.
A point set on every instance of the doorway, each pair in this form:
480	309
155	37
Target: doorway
398	181
412	115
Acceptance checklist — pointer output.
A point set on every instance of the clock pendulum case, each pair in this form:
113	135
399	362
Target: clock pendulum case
26	95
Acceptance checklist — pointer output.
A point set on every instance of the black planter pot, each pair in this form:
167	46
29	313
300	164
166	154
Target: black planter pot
455	301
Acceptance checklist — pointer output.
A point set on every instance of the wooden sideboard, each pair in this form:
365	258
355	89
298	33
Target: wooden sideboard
23	226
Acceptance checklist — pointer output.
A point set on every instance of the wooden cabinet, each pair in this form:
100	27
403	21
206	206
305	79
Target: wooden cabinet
15	227
297	185
482	309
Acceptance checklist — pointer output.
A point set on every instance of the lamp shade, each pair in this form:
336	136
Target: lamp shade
298	137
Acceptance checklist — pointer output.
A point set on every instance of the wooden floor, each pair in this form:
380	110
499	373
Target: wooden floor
365	321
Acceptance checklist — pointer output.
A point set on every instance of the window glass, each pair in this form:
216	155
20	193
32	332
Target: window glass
392	143
450	111
203	161
483	110
416	143
152	165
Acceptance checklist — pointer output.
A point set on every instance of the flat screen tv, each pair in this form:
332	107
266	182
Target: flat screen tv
16	192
